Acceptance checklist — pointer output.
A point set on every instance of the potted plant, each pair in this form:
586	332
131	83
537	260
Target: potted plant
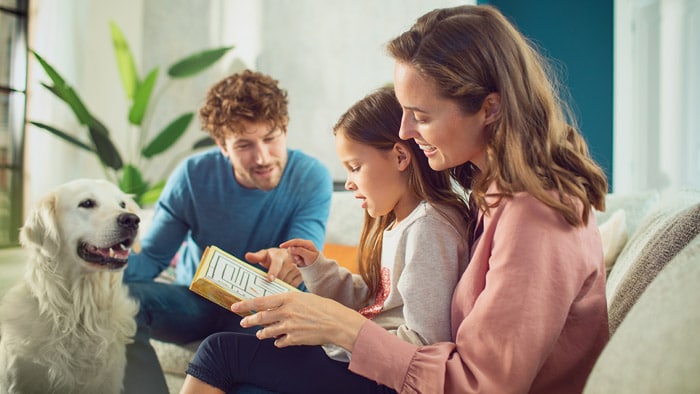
129	173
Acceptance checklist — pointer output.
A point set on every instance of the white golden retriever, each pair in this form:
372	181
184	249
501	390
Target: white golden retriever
65	327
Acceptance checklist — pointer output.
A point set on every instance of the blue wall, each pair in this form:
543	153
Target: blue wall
578	36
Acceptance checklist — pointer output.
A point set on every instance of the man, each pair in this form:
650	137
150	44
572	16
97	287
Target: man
249	194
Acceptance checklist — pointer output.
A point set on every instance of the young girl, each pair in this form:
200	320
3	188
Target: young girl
412	251
529	314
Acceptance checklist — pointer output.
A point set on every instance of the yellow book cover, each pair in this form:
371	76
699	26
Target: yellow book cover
224	279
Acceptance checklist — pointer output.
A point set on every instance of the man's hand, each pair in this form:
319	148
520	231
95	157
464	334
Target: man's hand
279	264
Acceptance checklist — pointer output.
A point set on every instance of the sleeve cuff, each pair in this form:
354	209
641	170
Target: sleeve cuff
381	356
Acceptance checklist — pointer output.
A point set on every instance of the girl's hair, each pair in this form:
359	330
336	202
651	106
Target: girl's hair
533	145
375	121
247	96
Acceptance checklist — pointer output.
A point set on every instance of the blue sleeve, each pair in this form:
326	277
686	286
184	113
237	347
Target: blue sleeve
164	235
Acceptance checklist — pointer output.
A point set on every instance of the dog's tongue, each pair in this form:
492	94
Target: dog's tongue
114	252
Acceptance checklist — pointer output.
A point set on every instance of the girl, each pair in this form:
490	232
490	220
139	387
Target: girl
529	313
412	251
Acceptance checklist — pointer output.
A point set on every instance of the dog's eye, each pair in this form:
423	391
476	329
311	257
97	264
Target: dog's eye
122	204
87	203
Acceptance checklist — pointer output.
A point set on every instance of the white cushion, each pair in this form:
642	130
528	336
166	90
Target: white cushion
613	233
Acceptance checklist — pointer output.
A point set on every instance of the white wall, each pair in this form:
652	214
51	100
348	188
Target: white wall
74	37
327	54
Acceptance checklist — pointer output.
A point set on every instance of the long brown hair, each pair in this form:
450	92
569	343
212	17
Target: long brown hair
534	145
375	121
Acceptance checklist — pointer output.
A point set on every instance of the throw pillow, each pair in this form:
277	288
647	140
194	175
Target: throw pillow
635	204
613	233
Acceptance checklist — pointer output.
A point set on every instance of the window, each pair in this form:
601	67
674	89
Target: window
13	84
657	93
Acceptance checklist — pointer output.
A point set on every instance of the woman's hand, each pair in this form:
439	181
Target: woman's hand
303	251
298	318
279	264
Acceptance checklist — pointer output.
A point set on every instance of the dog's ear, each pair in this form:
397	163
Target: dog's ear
40	230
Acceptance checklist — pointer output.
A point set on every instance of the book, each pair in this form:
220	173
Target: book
225	279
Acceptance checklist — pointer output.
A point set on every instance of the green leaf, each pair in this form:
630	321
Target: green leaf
125	61
196	63
203	143
132	181
68	95
65	136
99	126
166	138
106	151
151	195
50	71
142	97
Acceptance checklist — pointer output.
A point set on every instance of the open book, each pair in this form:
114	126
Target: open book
225	279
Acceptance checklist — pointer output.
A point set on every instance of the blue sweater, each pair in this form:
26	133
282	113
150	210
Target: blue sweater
202	204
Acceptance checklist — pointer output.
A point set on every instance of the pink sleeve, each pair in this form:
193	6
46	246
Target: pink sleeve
386	359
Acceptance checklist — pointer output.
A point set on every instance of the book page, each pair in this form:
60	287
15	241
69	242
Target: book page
240	278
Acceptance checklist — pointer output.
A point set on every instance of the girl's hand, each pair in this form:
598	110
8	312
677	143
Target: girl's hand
303	251
279	264
298	318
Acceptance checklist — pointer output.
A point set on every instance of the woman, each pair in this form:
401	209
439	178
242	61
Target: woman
529	313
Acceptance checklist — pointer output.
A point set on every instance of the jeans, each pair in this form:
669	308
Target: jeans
170	313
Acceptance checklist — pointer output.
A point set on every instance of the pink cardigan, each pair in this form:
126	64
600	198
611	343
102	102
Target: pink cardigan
528	315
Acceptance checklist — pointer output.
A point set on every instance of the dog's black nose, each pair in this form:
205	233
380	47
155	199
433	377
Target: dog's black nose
128	220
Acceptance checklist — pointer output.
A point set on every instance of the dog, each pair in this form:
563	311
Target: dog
64	328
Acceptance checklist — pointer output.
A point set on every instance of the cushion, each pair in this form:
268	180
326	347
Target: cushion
664	232
613	233
635	204
345	255
656	347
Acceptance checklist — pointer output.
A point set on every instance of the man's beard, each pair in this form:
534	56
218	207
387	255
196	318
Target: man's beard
271	178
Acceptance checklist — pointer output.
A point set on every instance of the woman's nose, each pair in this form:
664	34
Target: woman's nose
407	129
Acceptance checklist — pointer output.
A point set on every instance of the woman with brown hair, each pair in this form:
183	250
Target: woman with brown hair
529	313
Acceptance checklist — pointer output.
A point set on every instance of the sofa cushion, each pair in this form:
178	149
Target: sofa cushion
668	227
635	204
613	233
656	348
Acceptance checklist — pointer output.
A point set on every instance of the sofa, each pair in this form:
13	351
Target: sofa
652	253
653	295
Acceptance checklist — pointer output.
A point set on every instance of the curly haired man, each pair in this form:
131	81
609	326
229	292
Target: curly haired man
249	193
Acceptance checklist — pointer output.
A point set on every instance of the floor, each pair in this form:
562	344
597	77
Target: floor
11	267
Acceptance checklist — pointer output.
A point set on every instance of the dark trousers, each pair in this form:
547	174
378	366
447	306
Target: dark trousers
170	313
227	360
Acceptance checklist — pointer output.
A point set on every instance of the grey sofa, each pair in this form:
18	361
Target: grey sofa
653	294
